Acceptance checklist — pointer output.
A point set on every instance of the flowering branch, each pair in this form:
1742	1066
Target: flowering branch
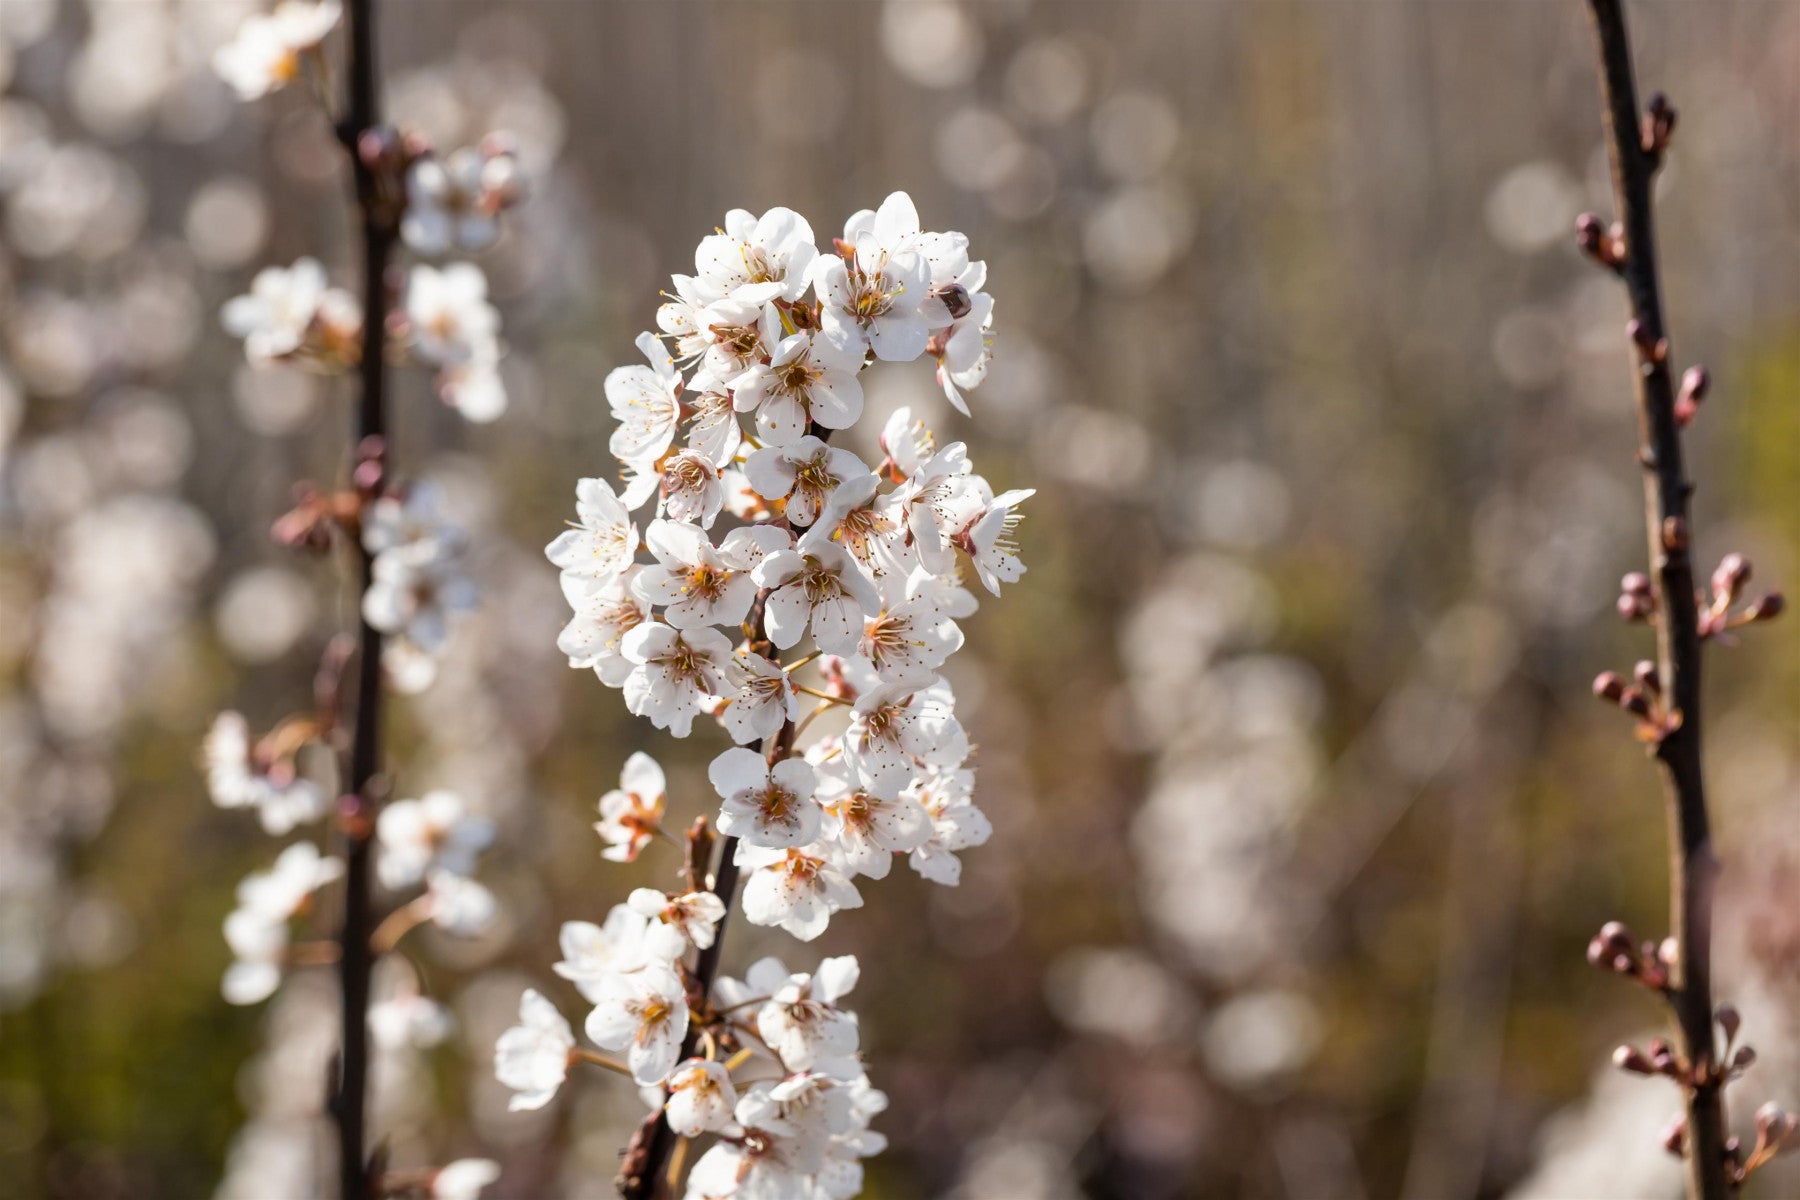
361	137
409	574
775	331
1665	695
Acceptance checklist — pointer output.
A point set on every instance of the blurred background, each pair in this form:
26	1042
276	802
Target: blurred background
1304	816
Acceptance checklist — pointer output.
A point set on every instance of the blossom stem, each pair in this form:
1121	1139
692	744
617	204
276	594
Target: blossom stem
313	954
677	1160
1692	864
362	115
399	923
581	1054
825	696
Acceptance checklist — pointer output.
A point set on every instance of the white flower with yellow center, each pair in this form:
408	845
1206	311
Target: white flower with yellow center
803	473
765	805
810	378
644	1014
674	672
603	540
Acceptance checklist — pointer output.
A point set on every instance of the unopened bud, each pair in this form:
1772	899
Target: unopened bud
1662	1056
1674	1134
1635	583
1605	246
1632	608
1767	608
1743	1059
956	298
1674	533
377	146
1732	573
1729	1020
1627	1058
1608	685
1635	702
1646	676
1768	1115
1694	385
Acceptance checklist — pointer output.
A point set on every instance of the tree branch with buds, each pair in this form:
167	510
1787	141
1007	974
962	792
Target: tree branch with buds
360	134
1665	695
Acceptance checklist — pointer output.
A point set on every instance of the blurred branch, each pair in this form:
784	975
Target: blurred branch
1635	143
361	138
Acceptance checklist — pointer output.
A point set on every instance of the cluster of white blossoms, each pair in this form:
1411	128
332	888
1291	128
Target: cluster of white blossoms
837	588
442	321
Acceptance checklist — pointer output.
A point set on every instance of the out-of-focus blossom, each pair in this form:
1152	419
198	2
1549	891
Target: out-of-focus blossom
267	52
532	1058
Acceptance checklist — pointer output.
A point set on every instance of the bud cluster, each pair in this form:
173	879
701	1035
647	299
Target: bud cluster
1643	698
1716	616
1615	949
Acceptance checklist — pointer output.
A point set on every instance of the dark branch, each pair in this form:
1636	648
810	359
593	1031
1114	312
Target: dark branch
362	117
1636	148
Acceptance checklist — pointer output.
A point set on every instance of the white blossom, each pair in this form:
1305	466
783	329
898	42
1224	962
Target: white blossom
414	592
690	488
438	830
819	586
956	824
257	929
693	916
451	203
908	641
463	1179
795	889
282	797
987	537
291	315
448	314
881	295
765	805
869	829
696	583
532	1058
809	379
756	260
701	1098
673	672
266	53
801	1021
628	941
631	814
802	473
644	1014
601	543
604	614
459	905
645	402
762	698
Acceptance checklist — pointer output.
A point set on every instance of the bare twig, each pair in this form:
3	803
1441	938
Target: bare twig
362	116
1635	140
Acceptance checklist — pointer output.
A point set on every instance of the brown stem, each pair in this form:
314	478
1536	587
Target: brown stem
362	114
1692	865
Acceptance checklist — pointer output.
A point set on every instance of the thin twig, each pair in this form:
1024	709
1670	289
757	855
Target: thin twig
1692	865
362	114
